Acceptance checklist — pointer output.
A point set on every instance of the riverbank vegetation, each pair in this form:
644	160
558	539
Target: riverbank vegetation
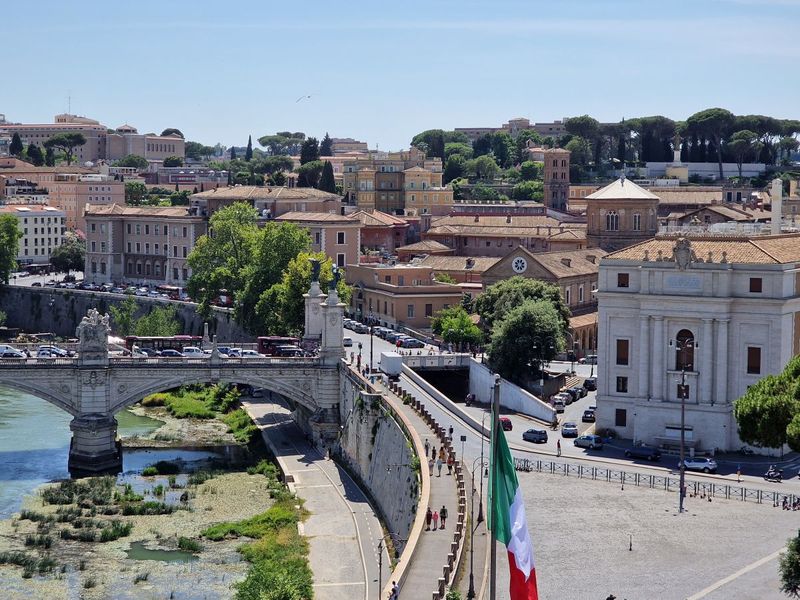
278	556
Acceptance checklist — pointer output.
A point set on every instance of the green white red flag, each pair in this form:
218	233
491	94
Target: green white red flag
510	525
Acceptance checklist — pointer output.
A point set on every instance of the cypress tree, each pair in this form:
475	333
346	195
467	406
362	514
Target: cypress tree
327	183
248	154
49	157
35	154
16	147
326	146
233	153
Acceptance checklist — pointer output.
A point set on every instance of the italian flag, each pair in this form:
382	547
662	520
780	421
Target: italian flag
510	526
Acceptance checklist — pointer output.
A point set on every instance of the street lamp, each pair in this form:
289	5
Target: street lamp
539	346
484	464
683	345
380	559
359	354
371	329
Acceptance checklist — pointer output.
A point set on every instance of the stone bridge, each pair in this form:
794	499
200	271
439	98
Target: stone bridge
93	386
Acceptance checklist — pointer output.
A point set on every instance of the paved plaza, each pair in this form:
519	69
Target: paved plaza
582	529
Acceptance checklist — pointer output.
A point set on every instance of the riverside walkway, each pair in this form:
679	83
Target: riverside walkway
342	528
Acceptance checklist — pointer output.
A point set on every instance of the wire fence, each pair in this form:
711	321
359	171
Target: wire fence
667	483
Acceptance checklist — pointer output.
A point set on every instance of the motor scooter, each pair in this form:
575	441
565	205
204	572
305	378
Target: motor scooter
775	475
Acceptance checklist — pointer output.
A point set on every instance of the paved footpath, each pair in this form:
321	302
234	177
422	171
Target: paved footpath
434	546
342	529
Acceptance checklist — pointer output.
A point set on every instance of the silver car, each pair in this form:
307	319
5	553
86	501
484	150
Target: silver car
593	442
699	463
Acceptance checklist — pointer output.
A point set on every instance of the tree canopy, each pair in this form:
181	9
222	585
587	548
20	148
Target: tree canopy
283	142
10	234
66	142
122	316
309	151
714	123
161	321
502	297
327	183
133	160
326	146
16	147
309	173
69	256
171	131
789	568
197	151
35	155
530	334
173	161
455	327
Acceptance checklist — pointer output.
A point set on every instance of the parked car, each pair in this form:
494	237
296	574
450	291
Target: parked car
506	424
590	359
381	332
590	441
170	353
579	390
590	383
574	396
558	404
588	416
7	348
569	429
700	463
645	452
537	436
234	352
13	354
117	290
565	398
143	291
151	352
288	351
360	328
392	336
192	351
347	341
412	343
254	354
36	284
56	351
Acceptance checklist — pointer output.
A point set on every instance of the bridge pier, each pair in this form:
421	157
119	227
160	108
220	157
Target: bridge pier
94	449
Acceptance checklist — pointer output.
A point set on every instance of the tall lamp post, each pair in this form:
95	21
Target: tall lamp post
380	559
483	465
539	346
371	329
683	345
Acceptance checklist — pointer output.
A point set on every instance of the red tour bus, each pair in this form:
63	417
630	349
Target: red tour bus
268	344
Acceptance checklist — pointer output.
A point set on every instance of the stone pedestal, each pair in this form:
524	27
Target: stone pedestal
94	449
313	313
331	350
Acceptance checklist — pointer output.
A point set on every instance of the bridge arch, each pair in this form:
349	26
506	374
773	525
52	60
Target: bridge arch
55	397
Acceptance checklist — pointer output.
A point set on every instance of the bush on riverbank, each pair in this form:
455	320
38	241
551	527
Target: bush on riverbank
96	491
240	425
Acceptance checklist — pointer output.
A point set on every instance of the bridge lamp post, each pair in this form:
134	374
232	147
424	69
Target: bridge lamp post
371	330
380	558
682	345
360	345
484	465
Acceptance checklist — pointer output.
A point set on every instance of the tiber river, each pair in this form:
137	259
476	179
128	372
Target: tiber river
34	445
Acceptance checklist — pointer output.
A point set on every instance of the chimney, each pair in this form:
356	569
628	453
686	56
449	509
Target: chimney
566	262
470	263
591	258
777	205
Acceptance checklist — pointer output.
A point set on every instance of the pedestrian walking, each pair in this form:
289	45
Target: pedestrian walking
430	467
439	464
443	514
428	517
450	463
738	473
433	453
427	446
450	433
558	448
442	456
435	520
395	591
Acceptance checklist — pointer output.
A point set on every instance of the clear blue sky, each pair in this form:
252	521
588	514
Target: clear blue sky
383	71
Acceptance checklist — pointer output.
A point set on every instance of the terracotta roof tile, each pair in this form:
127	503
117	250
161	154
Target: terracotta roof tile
317	217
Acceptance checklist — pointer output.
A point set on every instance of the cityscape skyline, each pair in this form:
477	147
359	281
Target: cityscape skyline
369	68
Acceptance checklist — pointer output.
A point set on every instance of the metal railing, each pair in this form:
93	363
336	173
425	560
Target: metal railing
136	361
667	483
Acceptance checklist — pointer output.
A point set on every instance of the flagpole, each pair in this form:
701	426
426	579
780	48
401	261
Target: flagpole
492	504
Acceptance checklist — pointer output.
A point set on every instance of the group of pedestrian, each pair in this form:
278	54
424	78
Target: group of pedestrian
435	516
395	595
439	459
791	504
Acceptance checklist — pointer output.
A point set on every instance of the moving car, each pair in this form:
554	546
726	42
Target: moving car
590	359
590	383
347	341
410	342
569	429
699	463
170	353
537	436
645	452
13	354
192	351
588	416
590	441
56	351
506	424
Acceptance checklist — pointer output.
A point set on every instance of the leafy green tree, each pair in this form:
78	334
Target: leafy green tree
483	168
132	160
173	161
459	149
309	173
482	146
16	147
272	164
35	155
484	193
714	123
283	142
789	568
49	157
456	327
528	336
503	149
468	302
327	183
135	192
786	147
248	153
743	144
220	260
445	278
10	234
171	131
69	256
197	151
281	308
528	190
521	144
432	141
309	152
275	247
500	298
161	321
584	126
580	151
233	153
454	168
531	171
326	146
123	316
66	142
279	179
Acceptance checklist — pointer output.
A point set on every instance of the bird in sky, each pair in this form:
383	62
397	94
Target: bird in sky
302	98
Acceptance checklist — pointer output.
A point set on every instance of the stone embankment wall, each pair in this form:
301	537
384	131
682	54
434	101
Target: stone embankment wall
377	451
39	310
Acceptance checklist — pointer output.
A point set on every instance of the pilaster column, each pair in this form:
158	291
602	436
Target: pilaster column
722	353
644	356
658	366
706	363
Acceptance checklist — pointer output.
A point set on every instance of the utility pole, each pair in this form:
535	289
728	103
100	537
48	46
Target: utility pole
492	483
683	440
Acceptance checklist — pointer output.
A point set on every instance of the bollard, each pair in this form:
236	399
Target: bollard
454	547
